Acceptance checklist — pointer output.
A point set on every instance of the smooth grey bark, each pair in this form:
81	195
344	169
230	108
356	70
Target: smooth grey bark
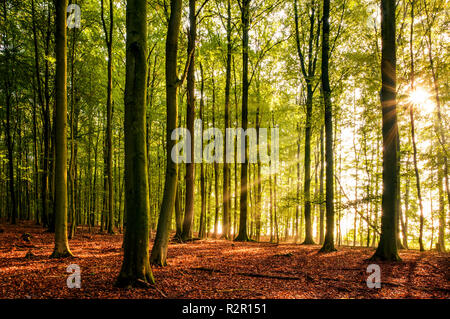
136	271
159	251
61	242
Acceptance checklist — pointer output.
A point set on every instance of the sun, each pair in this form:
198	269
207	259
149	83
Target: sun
419	96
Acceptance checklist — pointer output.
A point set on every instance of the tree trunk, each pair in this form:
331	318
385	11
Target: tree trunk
307	178
413	137
297	203
245	17
159	251
236	189
321	197
204	229
190	118
41	103
178	214
226	169
215	164
438	123
258	176
308	72
406	199
441	236
136	269
328	244
61	241
387	248
109	114
73	133
355	219
8	128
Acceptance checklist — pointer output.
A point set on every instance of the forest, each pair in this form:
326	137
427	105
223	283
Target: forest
224	149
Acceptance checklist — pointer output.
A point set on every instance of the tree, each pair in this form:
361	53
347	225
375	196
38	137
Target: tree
328	244
109	114
61	242
322	170
226	169
136	269
308	70
159	251
413	135
245	19
190	118
430	18
441	236
203	223
387	247
215	164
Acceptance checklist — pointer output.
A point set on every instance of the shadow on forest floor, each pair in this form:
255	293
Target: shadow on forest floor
214	269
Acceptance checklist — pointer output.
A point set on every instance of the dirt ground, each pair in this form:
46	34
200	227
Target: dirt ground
213	269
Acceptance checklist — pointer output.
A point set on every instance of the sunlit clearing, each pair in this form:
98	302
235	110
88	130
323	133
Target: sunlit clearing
420	97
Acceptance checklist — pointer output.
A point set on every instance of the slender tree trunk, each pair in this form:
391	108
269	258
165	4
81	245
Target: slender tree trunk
441	236
271	204
316	189
109	114
205	228
297	204
236	189
94	186
41	103
73	133
190	117
150	94
226	168
413	137
159	251
258	177
47	219
35	162
328	244
321	194
387	248
438	123
61	242
307	177
355	219
308	70
406	199
215	164
10	147
8	128
245	17
178	214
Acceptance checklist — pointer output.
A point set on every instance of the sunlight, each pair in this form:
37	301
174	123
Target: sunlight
420	97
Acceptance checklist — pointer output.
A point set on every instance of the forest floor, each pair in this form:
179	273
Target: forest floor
213	269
